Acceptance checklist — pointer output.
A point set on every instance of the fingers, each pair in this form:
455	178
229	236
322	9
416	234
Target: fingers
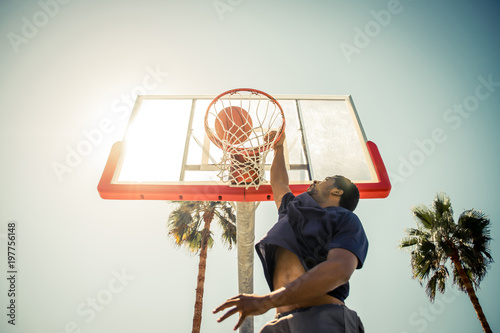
233	301
227	315
232	312
270	136
228	303
225	305
243	304
240	322
235	297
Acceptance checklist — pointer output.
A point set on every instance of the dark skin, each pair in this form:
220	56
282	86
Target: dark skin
313	284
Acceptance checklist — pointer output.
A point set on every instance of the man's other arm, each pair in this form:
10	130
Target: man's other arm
326	276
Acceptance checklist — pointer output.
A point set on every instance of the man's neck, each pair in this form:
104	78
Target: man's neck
330	202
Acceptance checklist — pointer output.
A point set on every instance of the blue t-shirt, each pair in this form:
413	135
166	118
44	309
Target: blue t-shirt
310	231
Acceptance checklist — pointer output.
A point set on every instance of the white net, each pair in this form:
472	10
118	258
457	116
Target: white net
244	124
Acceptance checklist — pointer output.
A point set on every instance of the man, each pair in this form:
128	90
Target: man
308	257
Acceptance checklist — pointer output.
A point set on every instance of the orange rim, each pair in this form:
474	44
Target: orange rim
241	150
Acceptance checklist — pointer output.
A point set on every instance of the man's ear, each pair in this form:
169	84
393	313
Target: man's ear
336	191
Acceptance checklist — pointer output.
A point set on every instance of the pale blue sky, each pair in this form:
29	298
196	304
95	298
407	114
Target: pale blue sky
69	69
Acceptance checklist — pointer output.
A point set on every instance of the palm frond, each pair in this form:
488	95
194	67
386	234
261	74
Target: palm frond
423	215
420	233
442	205
476	224
408	242
210	242
414	237
424	259
430	289
437	282
227	221
473	238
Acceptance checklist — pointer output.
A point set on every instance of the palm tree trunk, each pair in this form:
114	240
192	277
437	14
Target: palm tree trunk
200	285
472	294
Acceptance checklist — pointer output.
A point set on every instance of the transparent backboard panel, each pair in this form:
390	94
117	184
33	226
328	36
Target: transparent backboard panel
166	145
336	143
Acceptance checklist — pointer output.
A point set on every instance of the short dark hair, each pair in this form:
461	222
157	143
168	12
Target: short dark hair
350	198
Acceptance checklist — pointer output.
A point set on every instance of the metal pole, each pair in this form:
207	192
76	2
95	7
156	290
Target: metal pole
245	236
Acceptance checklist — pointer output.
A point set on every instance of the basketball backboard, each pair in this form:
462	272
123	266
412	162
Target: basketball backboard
166	155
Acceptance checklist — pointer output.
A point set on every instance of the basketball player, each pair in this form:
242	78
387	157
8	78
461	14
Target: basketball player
308	257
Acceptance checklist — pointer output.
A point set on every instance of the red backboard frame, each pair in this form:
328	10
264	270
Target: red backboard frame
108	190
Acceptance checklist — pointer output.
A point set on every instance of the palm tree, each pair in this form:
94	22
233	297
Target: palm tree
438	238
189	224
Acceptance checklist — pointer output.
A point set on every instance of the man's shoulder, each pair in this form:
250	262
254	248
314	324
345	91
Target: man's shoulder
285	200
342	215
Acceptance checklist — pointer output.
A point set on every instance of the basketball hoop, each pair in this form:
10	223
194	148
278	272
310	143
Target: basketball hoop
240	123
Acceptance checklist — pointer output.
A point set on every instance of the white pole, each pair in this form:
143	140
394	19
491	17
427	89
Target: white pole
245	237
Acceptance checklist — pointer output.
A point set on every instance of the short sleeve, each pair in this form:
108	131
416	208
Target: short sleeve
351	236
283	210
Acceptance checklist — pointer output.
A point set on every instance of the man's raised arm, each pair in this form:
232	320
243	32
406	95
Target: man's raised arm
279	175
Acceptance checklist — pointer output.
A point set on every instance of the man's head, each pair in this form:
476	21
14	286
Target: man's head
350	198
336	190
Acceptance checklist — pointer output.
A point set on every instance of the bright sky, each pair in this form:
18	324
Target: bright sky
425	80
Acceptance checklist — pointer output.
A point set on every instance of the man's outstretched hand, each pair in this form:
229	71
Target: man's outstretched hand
270	137
246	305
